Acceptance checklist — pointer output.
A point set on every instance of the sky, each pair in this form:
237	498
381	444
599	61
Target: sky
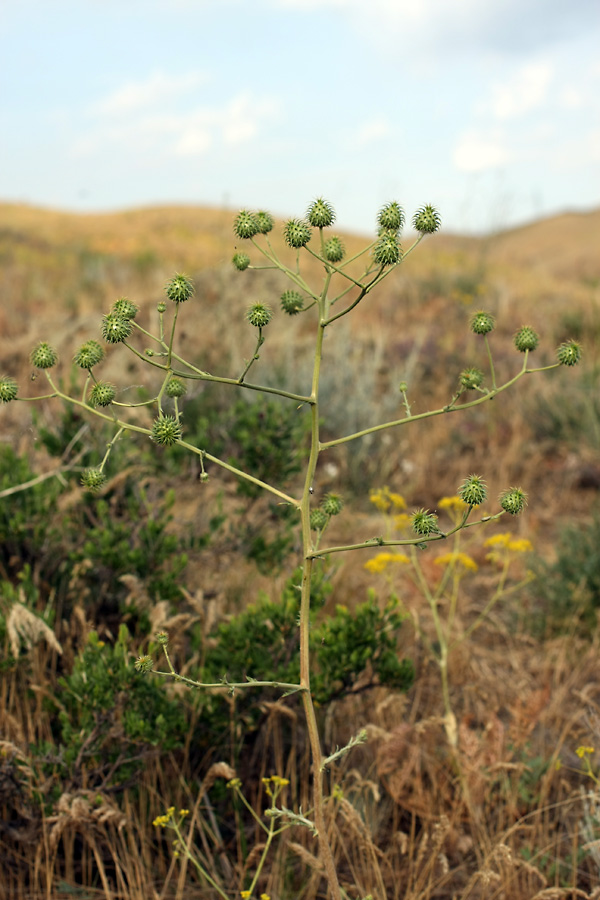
488	109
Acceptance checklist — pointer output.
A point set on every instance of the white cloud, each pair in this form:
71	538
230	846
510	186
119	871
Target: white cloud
478	151
155	90
525	91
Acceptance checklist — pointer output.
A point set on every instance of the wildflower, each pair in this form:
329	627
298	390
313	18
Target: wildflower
380	562
462	559
520	545
455	502
583	751
245	894
499	540
401	520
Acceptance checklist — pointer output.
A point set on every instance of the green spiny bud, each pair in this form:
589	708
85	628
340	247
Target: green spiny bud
482	323
166	430
265	222
161	307
391	216
318	519
144	664
526	339
89	355
513	501
403	387
292	302
175	388
425	522
387	251
241	261
44	356
102	394
245	225
8	389
569	353
296	233
162	637
179	289
321	213
93	480
427	220
473	490
115	329
471	378
125	308
332	504
334	250
259	315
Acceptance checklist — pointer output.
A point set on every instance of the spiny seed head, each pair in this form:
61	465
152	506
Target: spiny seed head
513	501
8	389
166	430
162	637
391	216
292	302
161	307
259	315
482	323
318	519
179	289
115	329
473	490
526	339
43	356
241	261
245	225
387	251
175	388
265	221
332	504
427	220
334	250
89	355
321	213
297	233
471	378
124	307
102	394
569	353
144	664
93	480
424	522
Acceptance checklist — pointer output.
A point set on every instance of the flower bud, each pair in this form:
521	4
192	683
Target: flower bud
473	490
44	356
8	389
482	323
241	261
297	233
89	355
513	501
321	213
334	250
161	307
526	339
425	522
144	664
115	329
162	637
387	251
427	220
102	394
175	388
125	308
179	289
332	504
259	315
471	378
318	519
166	430
93	480
292	302
391	216
569	353
245	225
265	222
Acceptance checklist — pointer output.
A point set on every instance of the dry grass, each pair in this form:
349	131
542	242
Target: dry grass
411	820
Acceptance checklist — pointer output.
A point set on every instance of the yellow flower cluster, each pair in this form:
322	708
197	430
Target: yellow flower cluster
384	500
275	782
454	503
379	563
162	821
245	895
517	545
583	751
462	559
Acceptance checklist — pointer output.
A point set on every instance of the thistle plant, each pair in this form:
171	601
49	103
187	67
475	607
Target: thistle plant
346	283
